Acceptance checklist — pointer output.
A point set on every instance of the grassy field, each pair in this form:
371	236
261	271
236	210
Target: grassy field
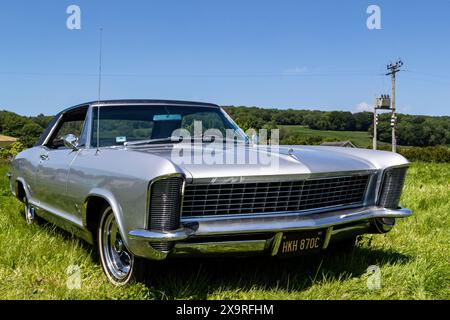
414	260
359	138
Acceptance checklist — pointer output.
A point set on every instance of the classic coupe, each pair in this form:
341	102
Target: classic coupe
106	172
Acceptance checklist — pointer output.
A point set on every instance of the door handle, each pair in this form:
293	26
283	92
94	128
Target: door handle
44	157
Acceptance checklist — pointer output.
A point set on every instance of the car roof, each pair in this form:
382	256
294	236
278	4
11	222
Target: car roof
142	102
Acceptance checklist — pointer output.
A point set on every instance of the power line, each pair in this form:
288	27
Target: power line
428	74
199	75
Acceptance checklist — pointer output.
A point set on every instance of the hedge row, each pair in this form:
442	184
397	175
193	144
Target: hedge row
426	154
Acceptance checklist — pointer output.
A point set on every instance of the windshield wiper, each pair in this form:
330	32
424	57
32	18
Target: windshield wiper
153	141
167	140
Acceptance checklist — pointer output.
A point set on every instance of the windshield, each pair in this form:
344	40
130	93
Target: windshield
121	125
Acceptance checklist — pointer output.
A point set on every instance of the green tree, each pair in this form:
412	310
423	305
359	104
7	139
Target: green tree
30	134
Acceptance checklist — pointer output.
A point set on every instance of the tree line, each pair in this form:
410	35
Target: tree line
412	130
26	129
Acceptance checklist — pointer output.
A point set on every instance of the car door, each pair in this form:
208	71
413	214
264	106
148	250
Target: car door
55	160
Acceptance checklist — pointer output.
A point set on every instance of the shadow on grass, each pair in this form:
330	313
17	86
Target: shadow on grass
197	278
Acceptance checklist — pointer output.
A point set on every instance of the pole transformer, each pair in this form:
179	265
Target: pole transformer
382	102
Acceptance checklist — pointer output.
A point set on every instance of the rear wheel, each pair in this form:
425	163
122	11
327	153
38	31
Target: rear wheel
120	265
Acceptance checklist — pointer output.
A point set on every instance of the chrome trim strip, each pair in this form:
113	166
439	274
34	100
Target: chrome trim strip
52	130
371	186
276	243
69	223
281	178
328	234
89	122
232	247
158	236
264	224
270	214
154	104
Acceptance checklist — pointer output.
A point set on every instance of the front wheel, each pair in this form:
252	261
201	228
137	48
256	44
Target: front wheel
120	266
30	212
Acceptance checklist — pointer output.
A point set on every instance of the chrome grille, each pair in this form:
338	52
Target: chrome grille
283	196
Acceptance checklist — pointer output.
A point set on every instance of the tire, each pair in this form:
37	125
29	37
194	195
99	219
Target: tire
119	265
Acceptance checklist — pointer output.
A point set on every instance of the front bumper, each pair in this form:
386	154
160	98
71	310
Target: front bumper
195	237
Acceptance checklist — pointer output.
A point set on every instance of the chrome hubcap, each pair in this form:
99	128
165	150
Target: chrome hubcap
118	260
118	245
29	213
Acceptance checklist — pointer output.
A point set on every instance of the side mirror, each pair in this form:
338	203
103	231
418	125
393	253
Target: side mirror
71	142
255	139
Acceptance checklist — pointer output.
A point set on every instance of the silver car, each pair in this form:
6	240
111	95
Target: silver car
111	173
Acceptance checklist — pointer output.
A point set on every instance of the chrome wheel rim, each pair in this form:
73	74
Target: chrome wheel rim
117	258
29	213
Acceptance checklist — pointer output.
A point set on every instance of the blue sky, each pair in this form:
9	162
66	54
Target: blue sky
299	54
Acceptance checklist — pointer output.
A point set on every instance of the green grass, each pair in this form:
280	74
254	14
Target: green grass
414	260
359	138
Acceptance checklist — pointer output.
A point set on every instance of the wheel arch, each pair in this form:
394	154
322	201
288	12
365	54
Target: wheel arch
21	189
91	213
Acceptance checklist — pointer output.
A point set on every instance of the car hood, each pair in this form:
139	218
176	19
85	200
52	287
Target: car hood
283	161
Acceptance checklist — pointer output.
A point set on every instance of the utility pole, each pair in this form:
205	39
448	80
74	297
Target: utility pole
382	102
375	124
392	70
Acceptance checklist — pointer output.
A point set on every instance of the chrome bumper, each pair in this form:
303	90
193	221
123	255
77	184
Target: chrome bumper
262	224
241	236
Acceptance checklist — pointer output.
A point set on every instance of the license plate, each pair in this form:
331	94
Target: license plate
301	243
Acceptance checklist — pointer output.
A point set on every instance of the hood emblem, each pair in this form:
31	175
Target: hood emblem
292	155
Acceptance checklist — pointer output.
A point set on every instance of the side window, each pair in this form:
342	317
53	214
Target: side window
47	130
71	123
73	127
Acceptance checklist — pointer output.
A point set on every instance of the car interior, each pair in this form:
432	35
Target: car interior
71	123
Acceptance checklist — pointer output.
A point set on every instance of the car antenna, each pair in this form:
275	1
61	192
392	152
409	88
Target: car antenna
99	89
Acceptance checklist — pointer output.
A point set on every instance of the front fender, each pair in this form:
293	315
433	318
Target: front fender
136	247
108	197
